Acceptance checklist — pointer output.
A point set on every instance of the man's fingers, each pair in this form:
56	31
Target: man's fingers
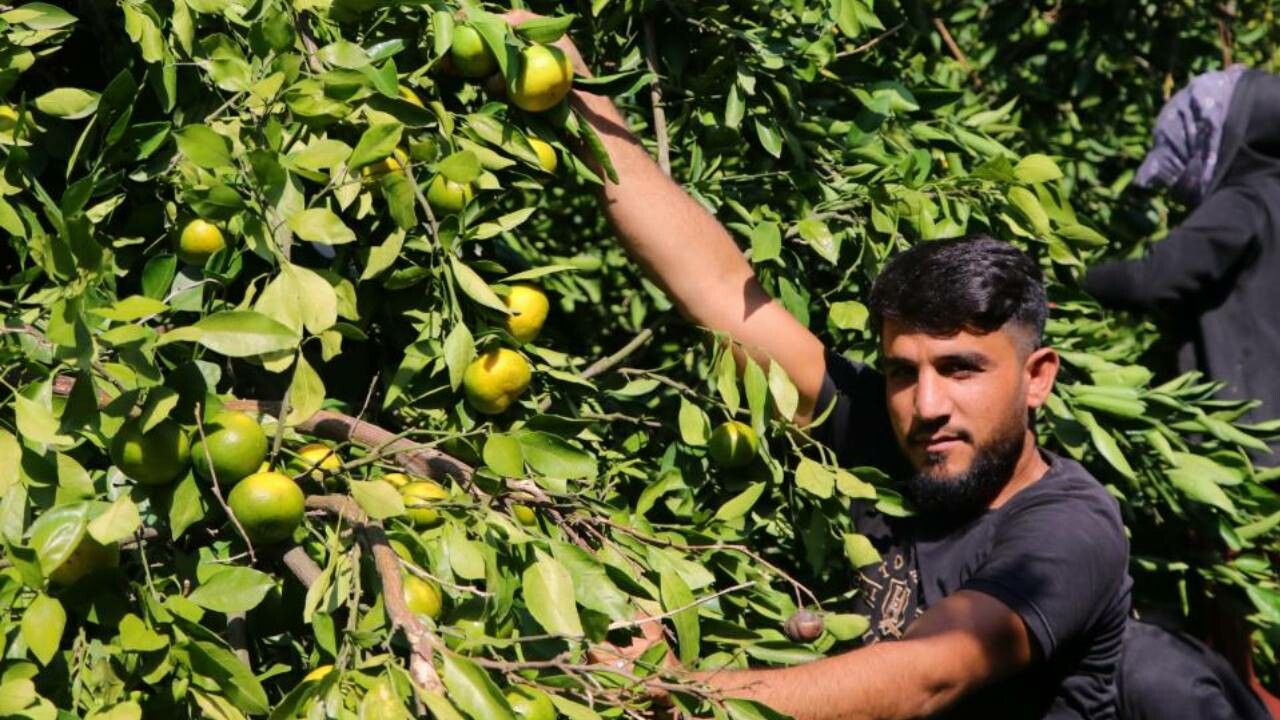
515	17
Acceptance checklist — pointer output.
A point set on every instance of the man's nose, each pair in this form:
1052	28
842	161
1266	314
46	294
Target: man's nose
932	400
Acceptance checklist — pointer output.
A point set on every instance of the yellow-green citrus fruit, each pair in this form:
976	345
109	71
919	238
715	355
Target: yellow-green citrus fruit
546	154
408	95
318	674
471	57
447	196
529	307
422	596
317	458
199	240
236	445
393	163
530	703
157	457
418	500
397	479
88	557
543	78
496	379
268	505
524	514
733	444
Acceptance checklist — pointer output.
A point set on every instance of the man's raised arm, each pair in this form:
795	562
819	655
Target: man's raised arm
686	251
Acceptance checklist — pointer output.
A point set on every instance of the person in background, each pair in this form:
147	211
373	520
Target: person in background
1214	286
1213	282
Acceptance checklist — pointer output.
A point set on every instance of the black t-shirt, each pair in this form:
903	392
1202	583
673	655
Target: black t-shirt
1055	554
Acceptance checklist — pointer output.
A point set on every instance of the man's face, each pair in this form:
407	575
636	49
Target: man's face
959	409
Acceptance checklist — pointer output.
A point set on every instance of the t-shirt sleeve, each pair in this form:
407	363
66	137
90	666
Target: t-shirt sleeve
1060	563
857	427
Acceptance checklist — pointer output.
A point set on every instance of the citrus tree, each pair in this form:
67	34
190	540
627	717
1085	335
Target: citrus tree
329	394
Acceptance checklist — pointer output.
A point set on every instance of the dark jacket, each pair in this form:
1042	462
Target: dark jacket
1214	282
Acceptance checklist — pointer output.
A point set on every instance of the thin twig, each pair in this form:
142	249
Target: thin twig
217	489
870	43
956	52
619	624
655	97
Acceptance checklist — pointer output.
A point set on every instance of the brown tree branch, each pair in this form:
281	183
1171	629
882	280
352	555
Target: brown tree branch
422	641
956	52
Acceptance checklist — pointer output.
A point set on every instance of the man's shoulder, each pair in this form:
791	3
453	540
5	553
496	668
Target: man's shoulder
1070	501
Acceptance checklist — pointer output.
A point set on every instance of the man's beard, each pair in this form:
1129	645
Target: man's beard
967	493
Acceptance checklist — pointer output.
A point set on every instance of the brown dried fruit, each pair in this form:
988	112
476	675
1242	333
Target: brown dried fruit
803	626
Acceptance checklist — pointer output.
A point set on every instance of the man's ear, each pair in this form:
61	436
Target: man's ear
1041	370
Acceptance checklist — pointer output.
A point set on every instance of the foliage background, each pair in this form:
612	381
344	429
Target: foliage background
826	135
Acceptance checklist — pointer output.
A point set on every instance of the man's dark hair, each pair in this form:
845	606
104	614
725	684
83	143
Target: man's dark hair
974	283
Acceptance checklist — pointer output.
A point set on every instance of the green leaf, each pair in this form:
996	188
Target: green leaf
319	309
68	103
859	550
232	589
42	626
475	287
592	587
134	307
852	487
135	636
39	16
739	505
678	599
460	167
548	594
544	30
57	532
459	351
573	710
466	559
37	422
188	506
236	333
727	381
10	459
815	479
849	315
321	225
695	427
234	678
1036	168
471	689
440	708
1031	209
306	392
1194	475
503	455
383	257
16	695
378	498
117	522
785	395
375	144
770	138
553	457
203	147
846	627
766	242
382	702
1082	236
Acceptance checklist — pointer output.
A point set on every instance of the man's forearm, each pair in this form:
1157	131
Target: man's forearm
685	249
879	682
661	226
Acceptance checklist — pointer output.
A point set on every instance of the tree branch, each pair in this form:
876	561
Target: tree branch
655	98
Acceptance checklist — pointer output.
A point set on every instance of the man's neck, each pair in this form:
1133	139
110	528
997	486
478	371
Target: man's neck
1030	468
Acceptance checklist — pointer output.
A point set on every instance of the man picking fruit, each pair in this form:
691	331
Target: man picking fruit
1006	596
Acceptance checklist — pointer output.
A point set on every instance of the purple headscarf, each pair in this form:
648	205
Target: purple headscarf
1187	135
